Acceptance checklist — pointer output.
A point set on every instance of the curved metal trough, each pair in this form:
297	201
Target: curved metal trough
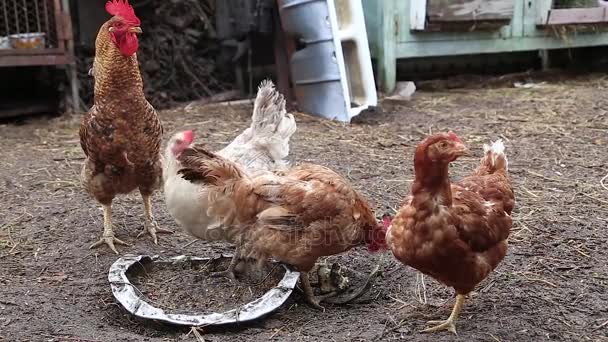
128	296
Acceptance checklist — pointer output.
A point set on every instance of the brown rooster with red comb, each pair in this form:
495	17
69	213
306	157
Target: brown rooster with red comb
121	133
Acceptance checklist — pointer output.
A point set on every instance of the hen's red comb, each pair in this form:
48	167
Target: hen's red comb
453	136
386	220
188	136
121	8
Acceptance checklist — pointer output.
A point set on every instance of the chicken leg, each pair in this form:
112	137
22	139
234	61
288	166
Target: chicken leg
363	289
108	235
150	226
229	272
449	323
310	296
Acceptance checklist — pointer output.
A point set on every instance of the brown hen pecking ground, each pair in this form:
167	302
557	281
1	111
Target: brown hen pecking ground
553	284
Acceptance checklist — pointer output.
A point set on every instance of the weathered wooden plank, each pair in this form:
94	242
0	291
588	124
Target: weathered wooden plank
469	10
572	16
481	46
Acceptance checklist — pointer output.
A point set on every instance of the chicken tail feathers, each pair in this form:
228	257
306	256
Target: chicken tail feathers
271	125
203	166
269	106
495	158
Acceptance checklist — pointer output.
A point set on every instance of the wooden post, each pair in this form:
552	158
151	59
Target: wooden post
72	71
387	59
543	7
545	60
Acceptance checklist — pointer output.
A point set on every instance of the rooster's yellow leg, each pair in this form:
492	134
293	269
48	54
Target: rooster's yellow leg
150	226
108	235
449	323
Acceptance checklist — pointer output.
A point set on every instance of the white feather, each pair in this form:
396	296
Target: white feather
259	149
496	149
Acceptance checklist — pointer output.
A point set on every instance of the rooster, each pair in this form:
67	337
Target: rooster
121	133
295	216
260	148
455	233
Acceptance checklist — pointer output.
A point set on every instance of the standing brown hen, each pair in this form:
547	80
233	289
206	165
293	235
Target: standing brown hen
121	133
456	233
295	217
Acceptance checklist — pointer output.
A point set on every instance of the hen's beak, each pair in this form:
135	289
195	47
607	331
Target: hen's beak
461	150
135	29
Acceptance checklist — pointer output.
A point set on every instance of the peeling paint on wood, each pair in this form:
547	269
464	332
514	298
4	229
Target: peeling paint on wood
572	16
469	10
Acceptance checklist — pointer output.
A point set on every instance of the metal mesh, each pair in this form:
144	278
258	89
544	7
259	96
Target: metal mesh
29	16
557	4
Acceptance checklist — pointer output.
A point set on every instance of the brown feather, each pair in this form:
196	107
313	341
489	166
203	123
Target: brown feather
296	216
456	233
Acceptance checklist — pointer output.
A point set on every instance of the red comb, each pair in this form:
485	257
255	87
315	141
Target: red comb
454	137
386	220
121	8
188	136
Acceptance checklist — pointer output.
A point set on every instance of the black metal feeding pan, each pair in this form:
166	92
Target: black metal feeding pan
134	302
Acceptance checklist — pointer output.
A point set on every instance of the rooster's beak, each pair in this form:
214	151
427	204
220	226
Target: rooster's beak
135	29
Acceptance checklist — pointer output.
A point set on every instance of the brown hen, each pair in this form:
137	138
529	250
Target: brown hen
455	233
295	217
121	133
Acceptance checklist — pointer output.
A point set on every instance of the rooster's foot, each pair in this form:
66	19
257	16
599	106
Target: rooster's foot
152	228
441	325
109	240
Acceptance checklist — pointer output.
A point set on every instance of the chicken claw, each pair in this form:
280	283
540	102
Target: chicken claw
109	240
449	323
441	325
225	273
229	272
108	235
150	226
314	301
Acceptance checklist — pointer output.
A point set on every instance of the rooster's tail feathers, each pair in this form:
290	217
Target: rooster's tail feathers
495	157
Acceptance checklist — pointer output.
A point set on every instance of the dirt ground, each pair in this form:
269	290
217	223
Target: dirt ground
553	284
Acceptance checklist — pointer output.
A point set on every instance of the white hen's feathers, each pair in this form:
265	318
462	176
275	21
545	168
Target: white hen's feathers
260	148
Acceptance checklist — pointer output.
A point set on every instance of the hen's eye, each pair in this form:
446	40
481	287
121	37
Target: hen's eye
443	144
179	141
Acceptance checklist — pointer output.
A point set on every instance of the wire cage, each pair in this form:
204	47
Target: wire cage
31	19
38	33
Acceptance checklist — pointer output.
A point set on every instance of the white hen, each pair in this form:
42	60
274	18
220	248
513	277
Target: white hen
260	148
